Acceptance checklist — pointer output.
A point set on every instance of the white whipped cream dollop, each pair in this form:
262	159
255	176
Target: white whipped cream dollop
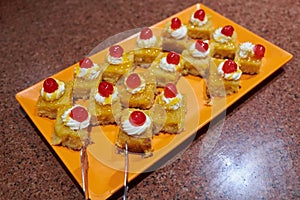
198	54
56	94
229	76
141	43
114	60
136	130
90	73
172	103
246	49
166	66
73	124
106	100
197	22
220	37
178	33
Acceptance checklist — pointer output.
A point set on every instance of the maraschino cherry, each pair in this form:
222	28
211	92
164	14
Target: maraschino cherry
170	90
79	114
116	51
229	66
259	50
86	63
146	33
175	23
201	46
173	58
133	81
227	30
199	14
50	85
105	89
137	118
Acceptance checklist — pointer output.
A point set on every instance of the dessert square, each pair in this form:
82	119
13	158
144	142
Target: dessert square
167	67
169	115
148	46
69	132
86	75
48	108
219	83
137	136
119	63
104	105
137	90
197	58
200	25
174	36
249	57
224	43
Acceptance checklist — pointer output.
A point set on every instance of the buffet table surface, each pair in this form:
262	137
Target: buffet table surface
252	153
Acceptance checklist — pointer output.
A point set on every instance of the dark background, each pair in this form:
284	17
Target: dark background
256	153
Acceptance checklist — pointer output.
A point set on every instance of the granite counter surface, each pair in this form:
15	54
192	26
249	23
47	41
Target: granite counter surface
254	153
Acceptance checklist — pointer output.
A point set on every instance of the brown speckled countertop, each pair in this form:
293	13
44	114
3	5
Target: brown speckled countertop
253	154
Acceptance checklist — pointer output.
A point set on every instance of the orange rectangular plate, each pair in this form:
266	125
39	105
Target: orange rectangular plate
106	166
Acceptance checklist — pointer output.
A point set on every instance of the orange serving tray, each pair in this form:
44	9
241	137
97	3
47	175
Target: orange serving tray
105	165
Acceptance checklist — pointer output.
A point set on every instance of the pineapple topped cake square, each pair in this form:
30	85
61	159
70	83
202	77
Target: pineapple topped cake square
174	36
200	25
136	131
137	90
197	58
104	104
167	67
148	46
86	75
54	94
118	63
224	43
249	57
223	78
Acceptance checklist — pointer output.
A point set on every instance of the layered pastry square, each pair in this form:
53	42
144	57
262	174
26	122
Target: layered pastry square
104	104
147	49
249	57
135	131
174	105
137	90
54	94
223	43
223	78
118	64
167	67
200	25
174	36
197	58
86	77
71	127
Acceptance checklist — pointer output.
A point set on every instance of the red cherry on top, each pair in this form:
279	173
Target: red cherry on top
201	46
133	81
50	85
79	114
173	58
170	90
229	66
146	33
259	50
137	118
199	14
105	89
116	51
227	30
86	63
175	23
